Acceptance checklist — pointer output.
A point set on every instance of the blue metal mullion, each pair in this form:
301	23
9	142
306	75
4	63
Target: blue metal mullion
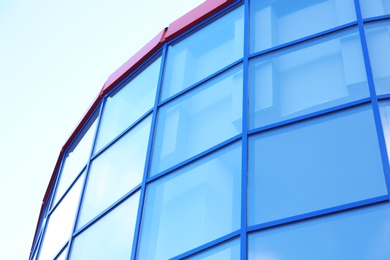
148	158
374	100
85	178
319	213
244	158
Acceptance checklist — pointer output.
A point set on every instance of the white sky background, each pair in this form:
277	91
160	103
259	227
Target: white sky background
54	58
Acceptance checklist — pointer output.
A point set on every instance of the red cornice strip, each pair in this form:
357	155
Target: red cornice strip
134	62
179	26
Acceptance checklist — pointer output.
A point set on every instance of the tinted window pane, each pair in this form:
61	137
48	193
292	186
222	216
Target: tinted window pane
385	115
281	21
315	164
306	78
61	222
192	206
111	237
372	8
200	119
115	172
76	159
360	234
378	42
203	53
129	103
229	250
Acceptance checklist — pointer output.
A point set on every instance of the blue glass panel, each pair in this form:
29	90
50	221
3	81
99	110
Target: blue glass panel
129	103
385	115
76	159
378	42
371	8
200	119
115	172
111	237
362	234
206	51
60	225
281	21
307	78
229	250
192	206
319	163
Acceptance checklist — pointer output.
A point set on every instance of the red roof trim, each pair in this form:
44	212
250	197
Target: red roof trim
203	11
134	62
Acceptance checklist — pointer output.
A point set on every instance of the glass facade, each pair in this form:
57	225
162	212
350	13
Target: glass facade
261	132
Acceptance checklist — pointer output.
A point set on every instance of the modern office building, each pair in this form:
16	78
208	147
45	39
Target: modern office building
256	129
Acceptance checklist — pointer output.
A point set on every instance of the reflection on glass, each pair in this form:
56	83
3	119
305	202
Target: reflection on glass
111	237
115	172
61	222
192	206
385	116
204	52
371	8
229	250
281	21
378	42
307	78
312	165
200	119
129	103
357	234
75	161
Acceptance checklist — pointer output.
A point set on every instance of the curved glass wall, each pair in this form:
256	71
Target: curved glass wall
260	133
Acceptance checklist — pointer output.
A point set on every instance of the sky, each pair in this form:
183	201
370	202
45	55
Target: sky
54	58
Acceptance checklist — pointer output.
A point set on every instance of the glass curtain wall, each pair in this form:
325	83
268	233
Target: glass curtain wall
261	133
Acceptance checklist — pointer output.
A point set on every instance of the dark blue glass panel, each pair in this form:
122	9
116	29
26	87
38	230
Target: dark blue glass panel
315	164
306	78
192	206
204	52
362	234
281	21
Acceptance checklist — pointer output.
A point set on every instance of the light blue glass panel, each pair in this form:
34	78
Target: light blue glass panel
307	78
115	172
362	234
371	8
385	115
111	237
129	103
206	51
60	225
281	21
229	250
192	206
313	165
200	119
378	42
76	159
